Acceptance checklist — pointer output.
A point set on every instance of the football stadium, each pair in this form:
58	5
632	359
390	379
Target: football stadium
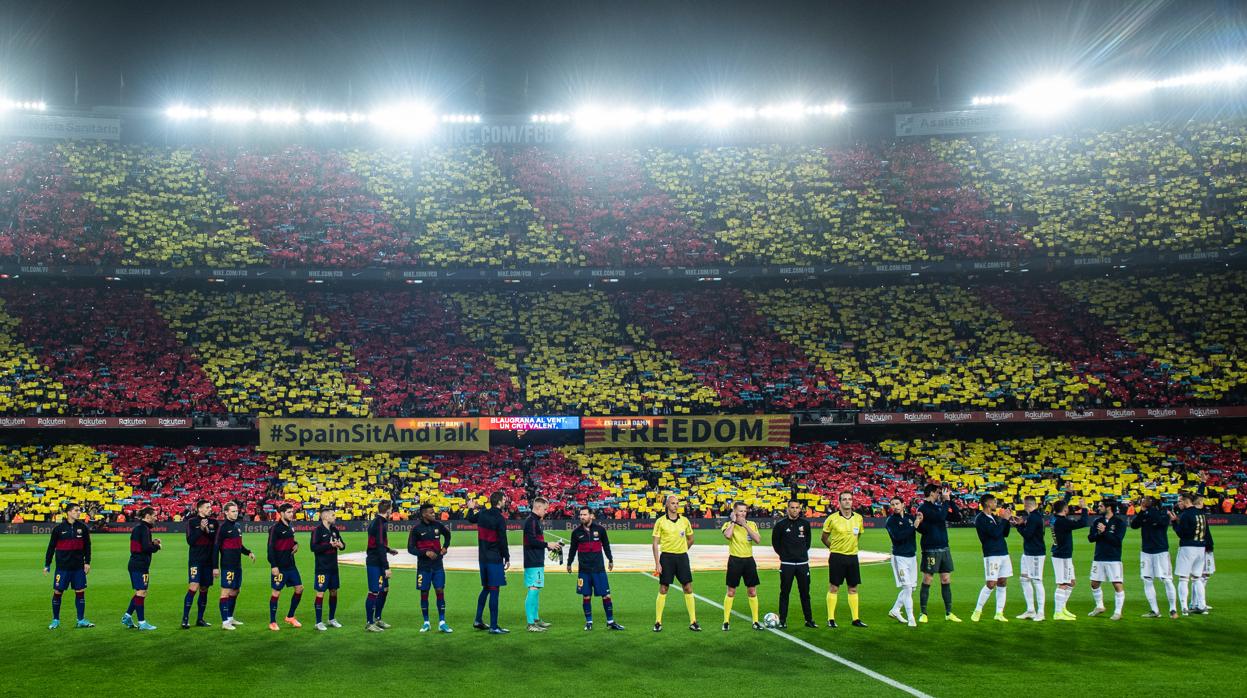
377	348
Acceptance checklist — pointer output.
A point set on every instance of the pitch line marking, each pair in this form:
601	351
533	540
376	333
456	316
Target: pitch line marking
820	651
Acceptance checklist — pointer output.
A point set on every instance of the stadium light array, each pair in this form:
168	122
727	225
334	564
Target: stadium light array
17	105
411	117
718	115
1057	94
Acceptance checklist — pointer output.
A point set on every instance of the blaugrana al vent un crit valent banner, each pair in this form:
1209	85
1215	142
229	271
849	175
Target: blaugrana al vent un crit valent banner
442	434
725	431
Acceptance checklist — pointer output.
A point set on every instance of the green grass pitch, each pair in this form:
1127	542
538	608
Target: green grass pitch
1093	655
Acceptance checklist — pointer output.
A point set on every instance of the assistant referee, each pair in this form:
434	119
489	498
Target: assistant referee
673	536
841	532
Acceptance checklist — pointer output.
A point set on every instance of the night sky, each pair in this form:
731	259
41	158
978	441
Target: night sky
519	57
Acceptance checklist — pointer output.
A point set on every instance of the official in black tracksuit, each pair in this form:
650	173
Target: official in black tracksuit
791	540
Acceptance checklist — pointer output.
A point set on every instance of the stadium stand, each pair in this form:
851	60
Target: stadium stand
265	353
45	218
412	357
171	480
110	351
922	346
162	205
36	481
308	208
25	386
818	472
603	202
719	338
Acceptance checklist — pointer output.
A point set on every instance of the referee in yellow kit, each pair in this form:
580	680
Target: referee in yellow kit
841	532
673	536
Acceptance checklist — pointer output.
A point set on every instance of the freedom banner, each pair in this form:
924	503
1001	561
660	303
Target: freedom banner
448	434
724	431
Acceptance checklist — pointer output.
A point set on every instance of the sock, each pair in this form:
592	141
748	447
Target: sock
56	605
1098	596
853	606
1028	593
80	604
1040	596
424	605
984	594
1060	596
659	605
333	604
224	604
493	607
203	604
832	598
908	601
272	606
923	596
946	590
1184	592
441	605
753	608
294	603
900	599
481	599
1149	593
690	603
727	608
530	606
608	606
586	603
1001	593
385	593
319	604
1198	599
138	608
1171	594
130	608
233	604
186	607
1119	600
370	607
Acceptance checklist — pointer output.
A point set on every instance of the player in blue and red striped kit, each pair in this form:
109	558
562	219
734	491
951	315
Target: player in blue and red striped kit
227	554
428	541
281	550
201	537
494	557
71	545
326	544
590	542
378	564
142	546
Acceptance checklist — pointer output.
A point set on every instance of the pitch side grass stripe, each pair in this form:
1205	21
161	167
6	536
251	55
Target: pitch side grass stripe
820	651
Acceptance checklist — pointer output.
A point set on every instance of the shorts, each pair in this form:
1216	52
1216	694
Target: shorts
199	574
593	584
1063	570
905	571
937	561
433	578
377	581
1210	564
493	574
844	569
535	577
1155	566
288	577
739	568
231	579
64	579
1106	572
138	580
326	581
997	567
675	566
1191	561
1032	567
